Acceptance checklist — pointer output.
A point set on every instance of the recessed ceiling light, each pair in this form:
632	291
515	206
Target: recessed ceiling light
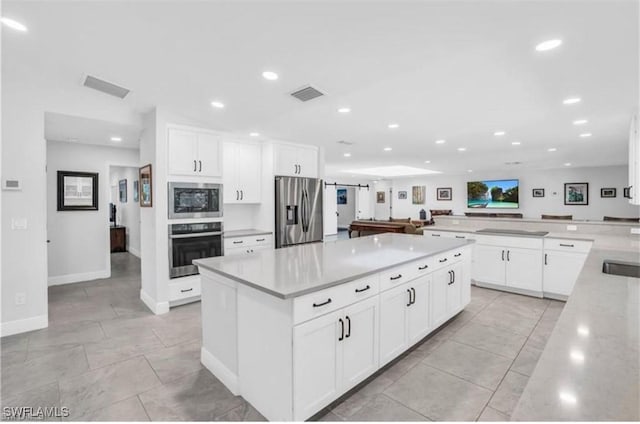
116	138
393	126
580	122
584	135
515	143
254	134
347	155
551	149
387	149
499	133
13	24
270	75
427	161
217	104
469	170
567	164
571	100
441	141
548	45
393	171
344	110
462	149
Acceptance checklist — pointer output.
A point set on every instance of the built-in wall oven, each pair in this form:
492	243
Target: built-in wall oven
191	241
195	200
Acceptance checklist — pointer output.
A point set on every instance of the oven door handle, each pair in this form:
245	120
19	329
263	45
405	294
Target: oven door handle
179	236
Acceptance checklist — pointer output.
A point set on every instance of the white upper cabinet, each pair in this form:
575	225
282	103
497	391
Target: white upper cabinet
634	161
296	161
242	172
194	152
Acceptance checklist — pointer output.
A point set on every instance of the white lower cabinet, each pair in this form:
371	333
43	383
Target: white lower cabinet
524	269
563	262
446	293
333	353
488	264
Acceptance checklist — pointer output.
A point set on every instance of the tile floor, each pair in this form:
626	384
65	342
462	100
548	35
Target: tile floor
107	358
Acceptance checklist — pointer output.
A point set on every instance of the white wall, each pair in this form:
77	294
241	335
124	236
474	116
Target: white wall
127	214
381	210
79	247
347	213
550	180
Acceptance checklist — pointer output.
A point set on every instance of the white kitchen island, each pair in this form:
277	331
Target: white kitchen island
293	329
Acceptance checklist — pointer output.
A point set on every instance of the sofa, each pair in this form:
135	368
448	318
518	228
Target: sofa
396	225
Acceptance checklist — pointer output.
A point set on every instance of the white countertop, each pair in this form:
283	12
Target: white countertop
302	269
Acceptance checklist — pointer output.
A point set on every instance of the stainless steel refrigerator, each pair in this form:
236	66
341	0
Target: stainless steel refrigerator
298	211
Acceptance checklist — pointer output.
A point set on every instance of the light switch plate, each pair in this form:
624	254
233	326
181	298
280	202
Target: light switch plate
18	223
11	184
572	228
635	231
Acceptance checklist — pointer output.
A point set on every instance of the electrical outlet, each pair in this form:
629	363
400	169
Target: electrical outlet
18	223
572	228
635	231
21	298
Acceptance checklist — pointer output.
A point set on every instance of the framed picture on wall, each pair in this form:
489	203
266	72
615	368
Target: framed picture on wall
135	191
342	196
443	193
538	192
607	192
380	196
122	190
402	195
146	186
418	194
77	191
576	194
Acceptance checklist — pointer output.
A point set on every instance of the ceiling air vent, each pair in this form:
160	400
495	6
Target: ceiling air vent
307	93
347	143
106	87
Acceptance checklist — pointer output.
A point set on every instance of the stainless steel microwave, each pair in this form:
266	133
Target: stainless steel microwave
195	200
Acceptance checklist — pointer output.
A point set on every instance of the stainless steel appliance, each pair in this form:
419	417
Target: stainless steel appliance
298	211
193	241
195	200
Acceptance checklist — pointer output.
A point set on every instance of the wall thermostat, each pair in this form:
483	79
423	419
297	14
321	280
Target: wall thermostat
9	184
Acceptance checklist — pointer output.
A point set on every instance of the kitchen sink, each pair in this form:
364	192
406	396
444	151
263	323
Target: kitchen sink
625	269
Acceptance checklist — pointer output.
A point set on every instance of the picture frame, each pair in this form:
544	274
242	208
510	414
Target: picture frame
608	192
418	194
342	196
145	176
122	191
135	191
77	191
443	193
576	194
537	192
402	195
380	196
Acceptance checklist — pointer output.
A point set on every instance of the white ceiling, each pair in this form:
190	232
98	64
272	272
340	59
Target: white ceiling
75	129
457	70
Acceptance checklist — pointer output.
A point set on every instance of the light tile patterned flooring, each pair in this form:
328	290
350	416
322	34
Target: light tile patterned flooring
107	358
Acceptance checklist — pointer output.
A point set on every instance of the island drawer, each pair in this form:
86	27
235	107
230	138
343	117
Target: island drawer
189	287
509	241
237	242
398	275
580	246
313	305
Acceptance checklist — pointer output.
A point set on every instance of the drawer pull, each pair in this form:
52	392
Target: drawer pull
420	268
396	277
364	289
341	321
349	327
460	237
435	235
326	302
457	255
238	242
410	303
566	245
442	260
186	290
260	239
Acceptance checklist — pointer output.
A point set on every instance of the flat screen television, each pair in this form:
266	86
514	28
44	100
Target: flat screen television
493	194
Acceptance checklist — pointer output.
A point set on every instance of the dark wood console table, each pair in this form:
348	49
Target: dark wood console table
376	227
118	239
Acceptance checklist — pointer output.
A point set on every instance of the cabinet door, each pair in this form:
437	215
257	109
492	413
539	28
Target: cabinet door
209	155
439	284
308	162
360	345
466	278
286	160
182	152
418	322
315	363
393	331
454	289
249	172
489	264
231	192
561	270
524	269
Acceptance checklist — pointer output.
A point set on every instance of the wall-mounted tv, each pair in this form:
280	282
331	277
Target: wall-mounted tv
493	194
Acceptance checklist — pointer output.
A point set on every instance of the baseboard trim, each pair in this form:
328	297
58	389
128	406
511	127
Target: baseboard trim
76	278
157	308
217	368
23	325
135	252
509	289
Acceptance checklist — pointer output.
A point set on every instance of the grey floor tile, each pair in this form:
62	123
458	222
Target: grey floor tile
244	412
100	388
43	370
400	366
79	311
117	349
130	409
490	414
196	397
13	349
492	339
176	332
439	396
477	366
63	336
66	293
328	416
140	326
541	333
526	360
46	395
503	317
175	362
508	394
382	408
